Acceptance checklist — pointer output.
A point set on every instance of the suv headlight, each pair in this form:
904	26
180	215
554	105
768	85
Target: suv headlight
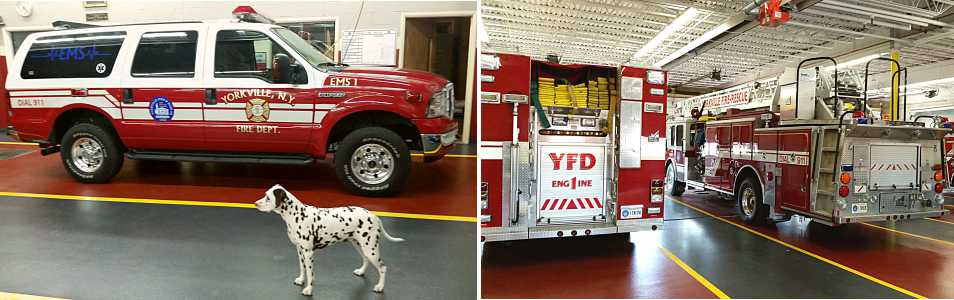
442	103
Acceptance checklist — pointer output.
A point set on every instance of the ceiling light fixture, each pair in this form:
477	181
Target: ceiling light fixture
676	24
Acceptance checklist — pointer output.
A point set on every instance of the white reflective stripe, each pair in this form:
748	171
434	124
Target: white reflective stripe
291	106
226	105
490	152
112	111
177	115
319	115
281	116
97	92
325	106
292	116
175	105
57	102
40	93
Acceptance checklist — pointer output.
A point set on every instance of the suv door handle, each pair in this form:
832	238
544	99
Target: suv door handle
210	96
127	96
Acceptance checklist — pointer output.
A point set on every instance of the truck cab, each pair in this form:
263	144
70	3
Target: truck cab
241	92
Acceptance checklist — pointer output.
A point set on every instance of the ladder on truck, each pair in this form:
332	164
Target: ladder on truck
824	168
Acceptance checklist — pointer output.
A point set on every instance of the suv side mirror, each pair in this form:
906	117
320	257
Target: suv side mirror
281	68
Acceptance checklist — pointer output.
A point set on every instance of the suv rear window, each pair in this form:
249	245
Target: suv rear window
87	55
165	54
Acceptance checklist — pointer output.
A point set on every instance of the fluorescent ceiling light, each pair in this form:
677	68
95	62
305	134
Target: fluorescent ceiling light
854	62
676	24
705	37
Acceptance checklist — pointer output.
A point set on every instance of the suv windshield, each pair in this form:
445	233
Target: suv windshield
312	55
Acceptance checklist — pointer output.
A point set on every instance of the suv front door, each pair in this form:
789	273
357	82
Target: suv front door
246	109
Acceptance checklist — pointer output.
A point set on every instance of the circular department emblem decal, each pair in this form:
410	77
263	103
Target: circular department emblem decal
257	110
161	109
100	68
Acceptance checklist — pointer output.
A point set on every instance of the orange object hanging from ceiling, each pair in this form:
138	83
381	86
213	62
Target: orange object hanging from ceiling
773	13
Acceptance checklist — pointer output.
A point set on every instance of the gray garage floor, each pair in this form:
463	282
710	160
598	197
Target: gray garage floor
104	250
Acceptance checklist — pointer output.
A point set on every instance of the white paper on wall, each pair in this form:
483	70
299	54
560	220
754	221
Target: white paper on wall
369	47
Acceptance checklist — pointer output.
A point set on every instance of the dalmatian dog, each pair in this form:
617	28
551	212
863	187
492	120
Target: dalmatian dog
311	228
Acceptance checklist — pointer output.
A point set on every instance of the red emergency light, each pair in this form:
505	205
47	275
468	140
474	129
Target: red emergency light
248	14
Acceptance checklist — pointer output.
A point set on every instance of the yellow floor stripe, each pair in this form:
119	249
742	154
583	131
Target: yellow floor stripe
18	143
702	280
11	296
803	251
911	234
222	204
942	221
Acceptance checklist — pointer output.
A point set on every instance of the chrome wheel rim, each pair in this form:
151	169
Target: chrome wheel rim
748	201
87	154
372	163
670	179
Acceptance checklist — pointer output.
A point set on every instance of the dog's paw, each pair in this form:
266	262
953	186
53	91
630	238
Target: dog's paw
299	280
358	272
379	288
306	291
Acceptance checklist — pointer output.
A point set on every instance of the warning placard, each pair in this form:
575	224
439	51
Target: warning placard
571	181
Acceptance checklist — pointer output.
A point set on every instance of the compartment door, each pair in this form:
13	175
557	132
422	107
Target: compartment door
571	183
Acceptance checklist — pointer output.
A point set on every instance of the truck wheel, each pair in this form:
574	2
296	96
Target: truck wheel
749	197
90	153
673	186
373	161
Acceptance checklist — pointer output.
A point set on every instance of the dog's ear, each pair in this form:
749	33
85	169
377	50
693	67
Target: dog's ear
279	196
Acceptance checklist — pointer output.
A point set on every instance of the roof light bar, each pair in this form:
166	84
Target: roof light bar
676	25
248	14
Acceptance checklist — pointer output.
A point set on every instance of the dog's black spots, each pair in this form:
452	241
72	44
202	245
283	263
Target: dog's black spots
360	223
364	234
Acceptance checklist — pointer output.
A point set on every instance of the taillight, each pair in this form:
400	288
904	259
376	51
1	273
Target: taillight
938	176
845	178
938	187
843	191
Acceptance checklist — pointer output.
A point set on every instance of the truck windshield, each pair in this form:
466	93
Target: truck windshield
312	55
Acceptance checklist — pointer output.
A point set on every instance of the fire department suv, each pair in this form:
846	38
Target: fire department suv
242	92
569	150
807	143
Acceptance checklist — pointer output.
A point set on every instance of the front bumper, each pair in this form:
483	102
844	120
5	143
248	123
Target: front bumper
437	144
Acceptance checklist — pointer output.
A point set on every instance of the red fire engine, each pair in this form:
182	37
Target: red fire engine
806	143
569	150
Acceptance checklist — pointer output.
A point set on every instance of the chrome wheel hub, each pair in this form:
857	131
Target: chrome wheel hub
87	154
372	163
748	201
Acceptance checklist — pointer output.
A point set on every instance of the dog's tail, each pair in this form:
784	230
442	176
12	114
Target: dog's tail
385	232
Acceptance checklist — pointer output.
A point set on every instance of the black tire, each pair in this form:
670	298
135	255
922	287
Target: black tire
376	138
111	152
675	187
758	214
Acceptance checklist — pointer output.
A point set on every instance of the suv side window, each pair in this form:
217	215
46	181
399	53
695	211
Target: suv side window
245	54
166	54
87	55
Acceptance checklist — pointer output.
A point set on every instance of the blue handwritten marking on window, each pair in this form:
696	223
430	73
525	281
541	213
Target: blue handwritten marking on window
72	54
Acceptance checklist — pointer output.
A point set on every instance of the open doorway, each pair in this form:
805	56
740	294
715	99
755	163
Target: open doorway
443	45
